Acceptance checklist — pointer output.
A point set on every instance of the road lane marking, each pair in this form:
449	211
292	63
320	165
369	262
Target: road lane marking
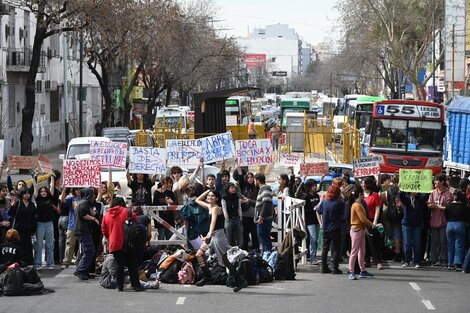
414	286
429	305
180	300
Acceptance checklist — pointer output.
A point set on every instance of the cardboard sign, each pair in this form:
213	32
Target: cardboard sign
416	180
82	173
183	151
217	148
145	160
363	167
253	152
45	164
22	162
290	160
109	153
316	169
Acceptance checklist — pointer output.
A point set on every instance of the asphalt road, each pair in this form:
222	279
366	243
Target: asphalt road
392	290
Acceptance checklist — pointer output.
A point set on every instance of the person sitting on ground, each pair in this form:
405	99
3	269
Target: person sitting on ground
10	251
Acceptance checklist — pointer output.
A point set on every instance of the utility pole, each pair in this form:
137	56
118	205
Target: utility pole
80	100
433	51
453	55
66	91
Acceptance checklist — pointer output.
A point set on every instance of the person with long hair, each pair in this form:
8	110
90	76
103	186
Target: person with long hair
283	181
330	214
164	196
215	240
311	201
457	214
438	200
45	230
24	214
232	209
359	222
250	192
141	186
374	203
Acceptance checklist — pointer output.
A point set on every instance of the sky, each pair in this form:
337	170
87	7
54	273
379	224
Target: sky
313	20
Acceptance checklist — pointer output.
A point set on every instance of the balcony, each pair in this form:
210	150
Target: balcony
20	60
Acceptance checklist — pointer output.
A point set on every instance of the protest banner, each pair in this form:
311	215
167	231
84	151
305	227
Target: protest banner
416	180
82	173
147	160
109	153
44	163
316	169
183	151
22	162
217	148
290	160
253	152
368	166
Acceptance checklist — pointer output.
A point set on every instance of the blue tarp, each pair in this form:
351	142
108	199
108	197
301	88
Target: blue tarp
459	105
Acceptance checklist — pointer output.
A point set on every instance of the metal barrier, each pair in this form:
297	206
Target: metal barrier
152	212
292	215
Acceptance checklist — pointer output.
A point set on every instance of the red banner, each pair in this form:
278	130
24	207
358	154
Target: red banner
22	162
255	60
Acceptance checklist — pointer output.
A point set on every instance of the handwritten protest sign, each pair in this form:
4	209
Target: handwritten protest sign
82	173
109	153
416	180
183	151
22	162
217	148
317	169
146	160
363	167
45	164
290	160
253	152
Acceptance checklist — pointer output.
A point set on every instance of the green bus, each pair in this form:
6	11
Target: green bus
360	110
293	105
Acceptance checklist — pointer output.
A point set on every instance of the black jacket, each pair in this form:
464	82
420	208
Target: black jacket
84	207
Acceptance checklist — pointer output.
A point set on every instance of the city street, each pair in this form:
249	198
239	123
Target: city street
392	290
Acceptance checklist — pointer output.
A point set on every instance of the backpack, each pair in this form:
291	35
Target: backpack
284	269
393	213
263	270
135	235
246	271
21	282
218	275
187	274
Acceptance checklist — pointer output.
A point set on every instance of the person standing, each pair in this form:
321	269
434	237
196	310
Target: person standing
457	214
311	201
412	206
83	231
113	230
250	192
438	200
359	221
330	214
141	186
275	135
252	129
24	214
4	209
70	203
264	212
232	209
164	196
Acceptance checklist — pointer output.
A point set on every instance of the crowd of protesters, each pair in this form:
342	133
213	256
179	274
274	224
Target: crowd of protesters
367	222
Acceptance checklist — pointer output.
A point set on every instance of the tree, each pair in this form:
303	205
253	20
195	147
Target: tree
52	17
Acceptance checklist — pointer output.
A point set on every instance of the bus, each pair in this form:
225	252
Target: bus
236	108
293	105
407	134
360	111
348	101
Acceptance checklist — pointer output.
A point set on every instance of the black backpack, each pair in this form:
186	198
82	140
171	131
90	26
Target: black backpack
20	282
263	269
135	235
284	269
393	213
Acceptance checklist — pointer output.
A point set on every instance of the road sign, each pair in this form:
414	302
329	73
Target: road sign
280	73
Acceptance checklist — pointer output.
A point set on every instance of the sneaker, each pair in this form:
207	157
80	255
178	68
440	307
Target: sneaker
81	276
51	267
326	271
437	264
365	274
405	264
38	268
352	276
337	271
316	262
450	267
139	288
417	265
239	287
64	266
458	268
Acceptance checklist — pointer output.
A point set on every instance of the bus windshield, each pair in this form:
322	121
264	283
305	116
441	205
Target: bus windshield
407	135
232	106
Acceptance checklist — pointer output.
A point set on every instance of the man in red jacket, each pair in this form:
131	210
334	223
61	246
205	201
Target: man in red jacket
113	230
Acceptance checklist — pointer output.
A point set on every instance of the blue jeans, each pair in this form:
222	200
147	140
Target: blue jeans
264	234
412	244
88	252
233	231
313	231
455	242
45	231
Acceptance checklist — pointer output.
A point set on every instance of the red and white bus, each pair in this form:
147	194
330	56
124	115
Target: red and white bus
407	134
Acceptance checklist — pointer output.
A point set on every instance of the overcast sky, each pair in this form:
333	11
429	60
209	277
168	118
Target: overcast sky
313	20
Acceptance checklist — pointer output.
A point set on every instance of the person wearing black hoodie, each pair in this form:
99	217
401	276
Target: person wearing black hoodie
84	216
232	209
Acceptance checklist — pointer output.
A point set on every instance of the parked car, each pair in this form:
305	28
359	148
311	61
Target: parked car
118	134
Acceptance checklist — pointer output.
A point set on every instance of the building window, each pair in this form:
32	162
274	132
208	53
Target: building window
54	105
